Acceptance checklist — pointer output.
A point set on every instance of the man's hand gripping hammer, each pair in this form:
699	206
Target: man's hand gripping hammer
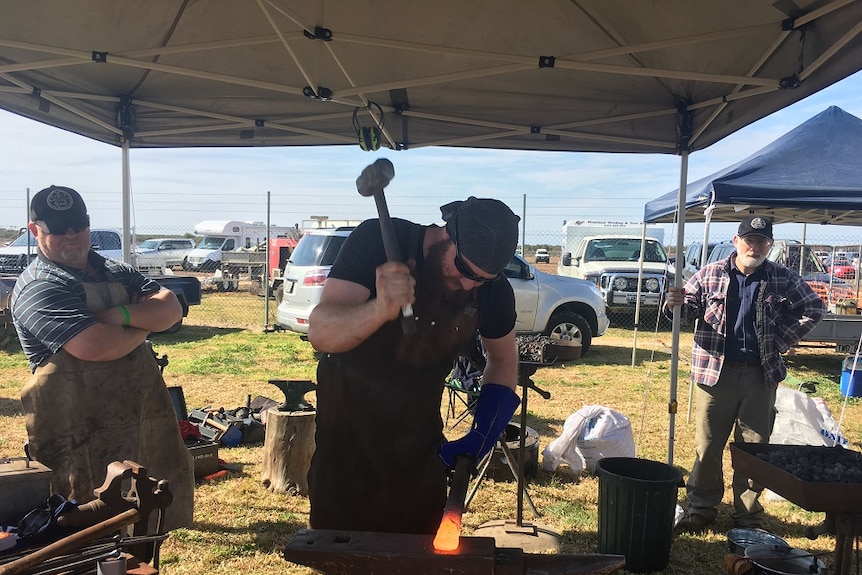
371	182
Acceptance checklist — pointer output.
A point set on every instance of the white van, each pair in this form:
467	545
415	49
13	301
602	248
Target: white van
226	236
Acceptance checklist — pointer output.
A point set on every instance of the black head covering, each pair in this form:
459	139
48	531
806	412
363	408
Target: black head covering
484	230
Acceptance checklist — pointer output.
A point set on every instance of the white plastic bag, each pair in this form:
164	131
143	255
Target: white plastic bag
592	432
802	420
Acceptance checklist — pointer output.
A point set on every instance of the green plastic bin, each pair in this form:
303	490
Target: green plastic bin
637	504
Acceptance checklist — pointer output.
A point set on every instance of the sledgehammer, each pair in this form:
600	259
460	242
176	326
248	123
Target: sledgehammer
371	182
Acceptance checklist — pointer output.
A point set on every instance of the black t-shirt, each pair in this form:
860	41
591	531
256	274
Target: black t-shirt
363	252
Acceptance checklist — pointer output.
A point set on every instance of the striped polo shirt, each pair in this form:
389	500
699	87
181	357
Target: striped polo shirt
49	303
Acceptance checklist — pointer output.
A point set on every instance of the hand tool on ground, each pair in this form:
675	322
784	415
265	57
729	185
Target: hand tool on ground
226	432
371	182
449	533
356	552
294	393
113	509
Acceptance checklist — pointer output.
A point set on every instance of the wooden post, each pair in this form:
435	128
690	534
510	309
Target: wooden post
287	449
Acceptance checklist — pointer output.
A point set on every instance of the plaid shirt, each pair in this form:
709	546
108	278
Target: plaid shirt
786	309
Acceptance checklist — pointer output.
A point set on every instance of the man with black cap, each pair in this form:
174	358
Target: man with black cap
96	394
750	311
381	461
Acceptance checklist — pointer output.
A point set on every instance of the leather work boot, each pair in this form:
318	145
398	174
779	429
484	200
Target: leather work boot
693	523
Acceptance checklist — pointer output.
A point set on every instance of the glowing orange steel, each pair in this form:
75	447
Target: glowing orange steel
449	532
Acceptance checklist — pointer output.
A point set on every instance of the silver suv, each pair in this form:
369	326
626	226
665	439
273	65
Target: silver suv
304	275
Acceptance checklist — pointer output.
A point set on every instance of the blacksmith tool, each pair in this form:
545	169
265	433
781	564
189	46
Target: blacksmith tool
294	394
371	182
449	533
355	552
111	511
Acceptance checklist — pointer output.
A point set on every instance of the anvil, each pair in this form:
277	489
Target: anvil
359	553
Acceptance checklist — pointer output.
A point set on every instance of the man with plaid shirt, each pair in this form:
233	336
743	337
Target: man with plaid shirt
749	311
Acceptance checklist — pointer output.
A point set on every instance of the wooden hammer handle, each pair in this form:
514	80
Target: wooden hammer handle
393	253
70	543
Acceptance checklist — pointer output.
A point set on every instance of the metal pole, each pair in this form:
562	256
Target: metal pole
265	277
27	229
127	203
638	292
524	227
674	355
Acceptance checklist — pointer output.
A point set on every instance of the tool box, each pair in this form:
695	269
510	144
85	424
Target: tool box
204	452
24	486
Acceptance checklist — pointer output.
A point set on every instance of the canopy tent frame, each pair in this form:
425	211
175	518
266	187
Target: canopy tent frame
563	75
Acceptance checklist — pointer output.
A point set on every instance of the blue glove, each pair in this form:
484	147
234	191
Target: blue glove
494	409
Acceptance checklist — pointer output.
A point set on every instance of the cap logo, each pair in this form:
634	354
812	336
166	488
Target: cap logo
59	200
758	224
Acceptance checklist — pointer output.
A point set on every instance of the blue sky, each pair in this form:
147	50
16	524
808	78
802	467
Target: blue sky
174	189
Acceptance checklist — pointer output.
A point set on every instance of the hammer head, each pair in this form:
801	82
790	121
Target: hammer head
375	177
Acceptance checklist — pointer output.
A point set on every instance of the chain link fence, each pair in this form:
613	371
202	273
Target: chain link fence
833	266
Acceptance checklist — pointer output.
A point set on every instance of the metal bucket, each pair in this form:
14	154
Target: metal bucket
784	560
739	539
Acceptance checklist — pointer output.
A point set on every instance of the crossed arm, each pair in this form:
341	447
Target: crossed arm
108	339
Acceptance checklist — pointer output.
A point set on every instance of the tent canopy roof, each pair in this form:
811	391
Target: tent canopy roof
567	75
812	174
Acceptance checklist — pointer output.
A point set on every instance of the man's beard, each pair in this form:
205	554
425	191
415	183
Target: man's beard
751	261
435	286
73	253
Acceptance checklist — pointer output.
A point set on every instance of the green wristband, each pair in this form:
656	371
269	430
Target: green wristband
127	317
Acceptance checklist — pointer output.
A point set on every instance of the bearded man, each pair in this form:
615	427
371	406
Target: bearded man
750	311
381	460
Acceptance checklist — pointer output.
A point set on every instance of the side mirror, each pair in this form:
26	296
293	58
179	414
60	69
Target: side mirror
567	259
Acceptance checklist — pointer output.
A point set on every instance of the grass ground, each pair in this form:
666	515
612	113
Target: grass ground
241	527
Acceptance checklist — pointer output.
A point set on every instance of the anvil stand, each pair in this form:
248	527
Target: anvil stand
529	536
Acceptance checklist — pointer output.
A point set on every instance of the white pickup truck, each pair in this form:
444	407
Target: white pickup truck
612	263
18	254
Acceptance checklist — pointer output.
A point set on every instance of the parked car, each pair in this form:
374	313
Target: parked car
159	254
304	275
841	267
542	256
562	308
692	258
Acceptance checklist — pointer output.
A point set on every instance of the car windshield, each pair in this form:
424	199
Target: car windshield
316	250
21	241
148	245
623	249
211	243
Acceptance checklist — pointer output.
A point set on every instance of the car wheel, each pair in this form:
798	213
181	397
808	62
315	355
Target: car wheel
570	326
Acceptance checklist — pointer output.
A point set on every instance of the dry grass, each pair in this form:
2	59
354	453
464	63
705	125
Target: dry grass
240	527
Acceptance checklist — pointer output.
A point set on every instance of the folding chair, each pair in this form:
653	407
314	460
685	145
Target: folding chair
464	384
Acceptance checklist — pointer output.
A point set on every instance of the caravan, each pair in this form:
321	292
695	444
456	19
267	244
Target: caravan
226	236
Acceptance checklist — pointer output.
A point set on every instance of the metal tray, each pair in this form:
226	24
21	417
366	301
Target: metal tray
813	496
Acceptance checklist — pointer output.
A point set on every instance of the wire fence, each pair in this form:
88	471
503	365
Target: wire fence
834	271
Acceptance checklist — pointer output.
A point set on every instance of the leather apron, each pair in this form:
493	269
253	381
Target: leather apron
376	465
82	415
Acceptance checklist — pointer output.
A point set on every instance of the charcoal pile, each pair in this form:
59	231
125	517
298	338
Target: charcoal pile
531	348
817	464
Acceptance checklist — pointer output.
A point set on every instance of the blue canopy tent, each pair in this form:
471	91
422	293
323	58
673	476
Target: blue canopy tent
812	174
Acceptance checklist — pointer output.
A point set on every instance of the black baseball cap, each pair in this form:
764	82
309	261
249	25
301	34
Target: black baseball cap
60	208
755	225
484	230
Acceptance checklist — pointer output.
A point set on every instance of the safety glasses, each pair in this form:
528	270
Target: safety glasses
462	266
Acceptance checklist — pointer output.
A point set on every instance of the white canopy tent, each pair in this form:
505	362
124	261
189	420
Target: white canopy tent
670	76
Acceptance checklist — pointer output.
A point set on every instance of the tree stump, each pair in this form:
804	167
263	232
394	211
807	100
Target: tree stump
287	449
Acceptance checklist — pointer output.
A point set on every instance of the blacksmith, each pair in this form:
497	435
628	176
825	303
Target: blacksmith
381	460
96	394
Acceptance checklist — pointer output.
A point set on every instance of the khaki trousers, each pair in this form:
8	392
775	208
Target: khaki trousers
739	401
